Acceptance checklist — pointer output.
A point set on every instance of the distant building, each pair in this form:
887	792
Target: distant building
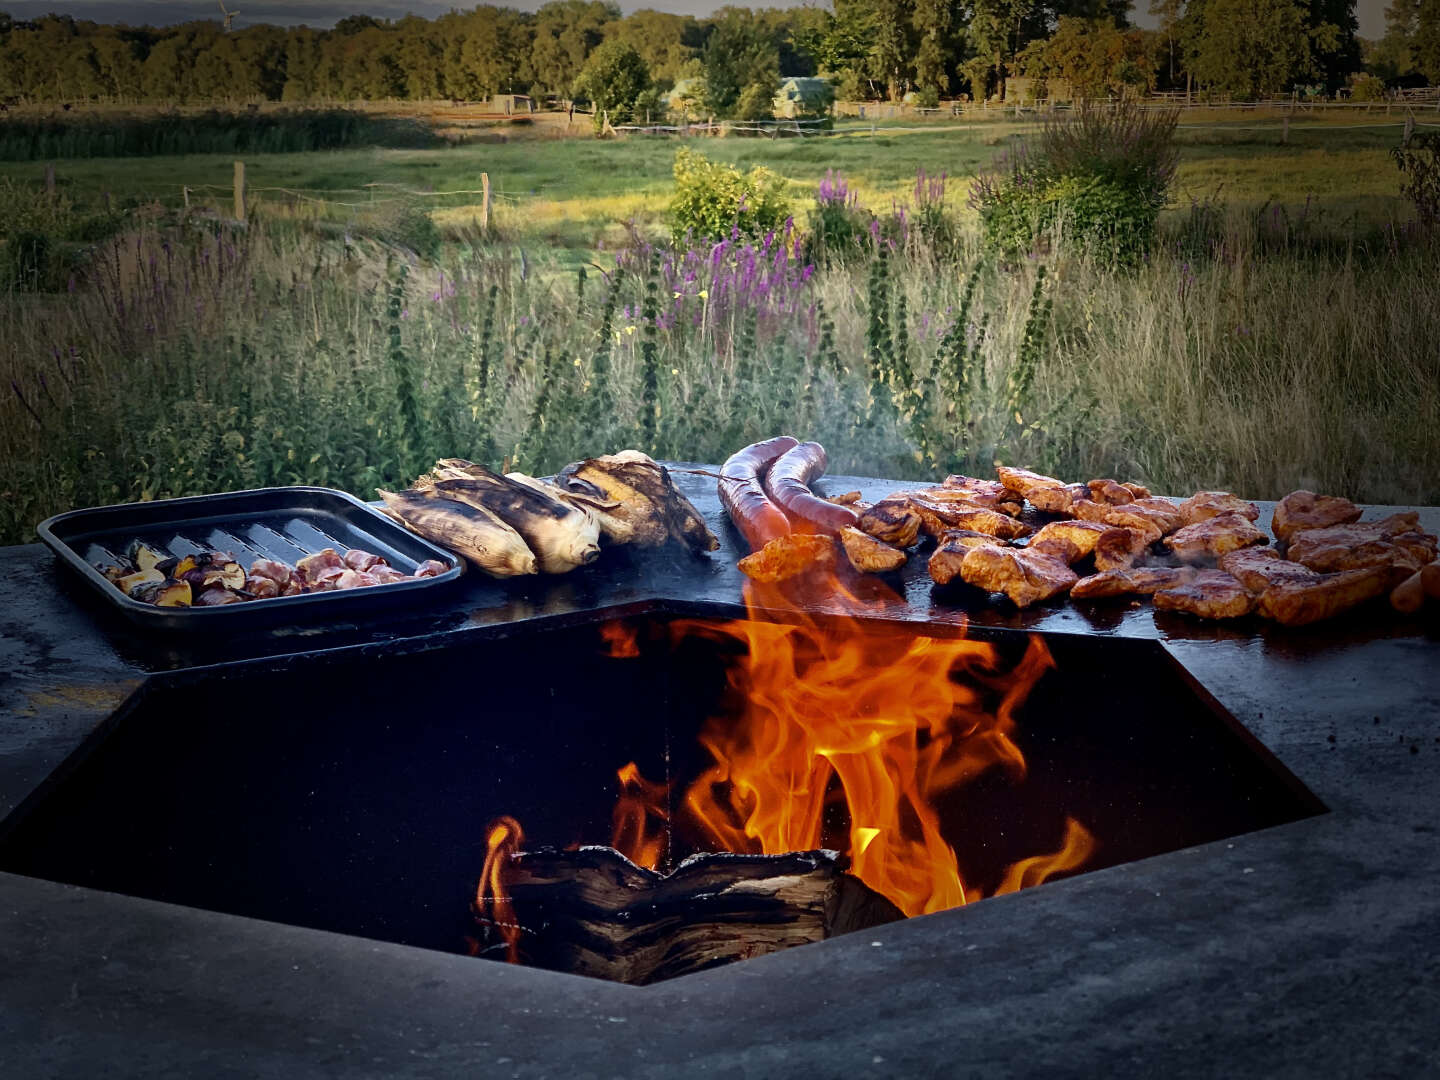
512	103
804	96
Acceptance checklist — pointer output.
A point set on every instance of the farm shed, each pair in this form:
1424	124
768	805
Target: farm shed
512	103
803	96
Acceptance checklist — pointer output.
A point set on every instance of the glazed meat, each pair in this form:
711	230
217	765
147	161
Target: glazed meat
954	545
1118	548
1210	594
894	523
990	494
938	516
1392	541
1138	490
1210	538
1151	522
1108	491
1058	547
868	555
1083	534
1295	603
1043	492
1258	568
1143	581
1301	510
1026	577
1208	504
787	557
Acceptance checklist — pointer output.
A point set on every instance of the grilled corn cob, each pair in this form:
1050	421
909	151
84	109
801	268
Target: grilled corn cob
469	530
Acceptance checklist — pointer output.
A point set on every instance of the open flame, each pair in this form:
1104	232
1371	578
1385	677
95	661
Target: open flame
838	732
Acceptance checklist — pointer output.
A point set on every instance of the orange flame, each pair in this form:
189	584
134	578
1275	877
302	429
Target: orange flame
641	819
620	640
492	903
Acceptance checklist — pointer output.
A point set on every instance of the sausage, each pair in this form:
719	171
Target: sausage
788	483
743	494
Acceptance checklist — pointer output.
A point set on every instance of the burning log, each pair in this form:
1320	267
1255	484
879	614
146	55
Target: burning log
594	912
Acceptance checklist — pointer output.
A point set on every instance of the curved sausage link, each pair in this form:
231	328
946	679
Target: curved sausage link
743	494
788	483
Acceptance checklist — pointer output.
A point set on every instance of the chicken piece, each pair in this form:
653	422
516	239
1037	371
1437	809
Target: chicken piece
1140	491
1210	594
1295	603
356	559
894	523
1204	505
1142	581
1150	525
1043	492
1258	568
1026	577
868	555
849	498
1118	548
984	500
954	545
1209	539
936	517
1083	534
990	494
1166	511
1058	547
1108	491
790	556
1392	541
430	568
1302	510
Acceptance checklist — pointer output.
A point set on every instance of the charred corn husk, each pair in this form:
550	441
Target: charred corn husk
649	509
561	534
471	531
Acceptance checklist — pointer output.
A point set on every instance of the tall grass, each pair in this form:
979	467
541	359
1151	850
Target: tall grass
150	134
192	359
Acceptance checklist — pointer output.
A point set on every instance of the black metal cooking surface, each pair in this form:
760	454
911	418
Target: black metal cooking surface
285	524
354	797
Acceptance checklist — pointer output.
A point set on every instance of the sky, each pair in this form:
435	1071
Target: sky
1371	13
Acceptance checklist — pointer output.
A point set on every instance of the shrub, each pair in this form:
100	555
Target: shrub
1099	175
839	225
757	102
928	97
716	200
1419	160
1366	87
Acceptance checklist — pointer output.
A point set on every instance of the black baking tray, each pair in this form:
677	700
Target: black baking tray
283	523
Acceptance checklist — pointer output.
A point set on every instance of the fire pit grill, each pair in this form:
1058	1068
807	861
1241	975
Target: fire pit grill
354	797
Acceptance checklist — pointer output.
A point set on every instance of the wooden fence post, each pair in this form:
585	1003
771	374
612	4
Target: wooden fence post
240	191
50	179
185	194
485	201
1409	128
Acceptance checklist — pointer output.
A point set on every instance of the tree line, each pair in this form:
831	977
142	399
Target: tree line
870	49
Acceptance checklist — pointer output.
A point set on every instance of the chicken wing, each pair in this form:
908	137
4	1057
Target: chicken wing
1026	577
1301	510
1210	594
1210	538
1208	504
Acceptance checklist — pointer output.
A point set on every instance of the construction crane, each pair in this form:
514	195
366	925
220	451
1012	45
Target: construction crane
228	15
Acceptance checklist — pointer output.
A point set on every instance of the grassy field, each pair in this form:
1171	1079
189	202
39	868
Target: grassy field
577	193
1265	345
